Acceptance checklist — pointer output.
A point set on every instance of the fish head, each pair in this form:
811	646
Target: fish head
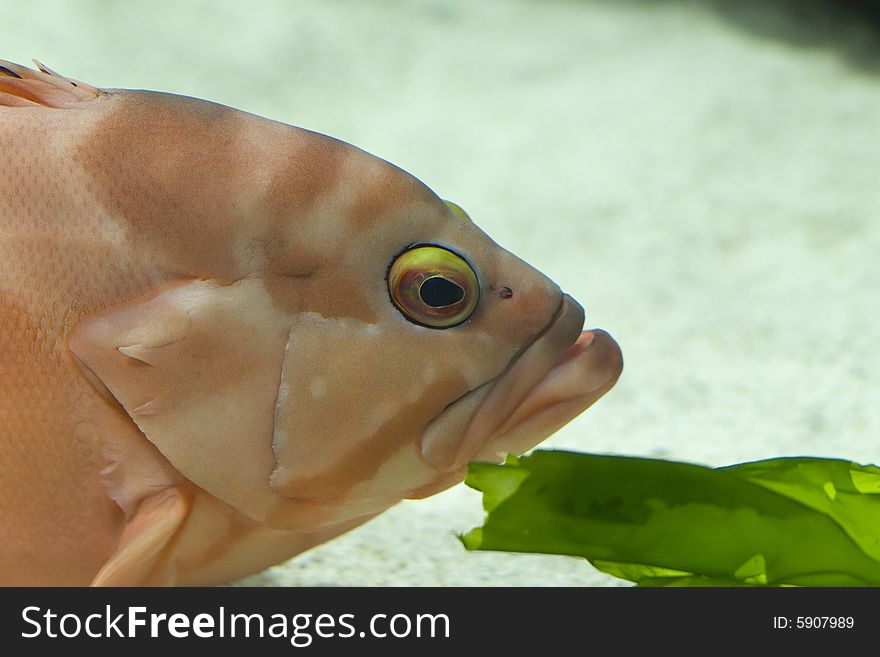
420	345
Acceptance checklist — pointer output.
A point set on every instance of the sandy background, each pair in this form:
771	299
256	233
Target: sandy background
703	176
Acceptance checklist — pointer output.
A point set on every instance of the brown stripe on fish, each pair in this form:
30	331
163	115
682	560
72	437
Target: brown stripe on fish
50	221
358	459
341	293
382	188
308	203
307	168
170	169
334	293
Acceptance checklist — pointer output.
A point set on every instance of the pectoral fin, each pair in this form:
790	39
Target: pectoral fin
142	556
197	367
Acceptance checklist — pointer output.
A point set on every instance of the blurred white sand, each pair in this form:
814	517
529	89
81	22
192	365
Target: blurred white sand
710	194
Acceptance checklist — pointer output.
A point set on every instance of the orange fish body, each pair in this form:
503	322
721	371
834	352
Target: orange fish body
224	339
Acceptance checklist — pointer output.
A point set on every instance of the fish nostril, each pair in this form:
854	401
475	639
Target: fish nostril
502	293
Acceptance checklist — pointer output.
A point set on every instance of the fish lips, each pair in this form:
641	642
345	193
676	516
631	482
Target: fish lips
561	373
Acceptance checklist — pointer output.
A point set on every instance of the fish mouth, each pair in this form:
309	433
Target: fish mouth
562	372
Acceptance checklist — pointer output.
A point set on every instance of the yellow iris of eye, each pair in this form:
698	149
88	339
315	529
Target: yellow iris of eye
433	286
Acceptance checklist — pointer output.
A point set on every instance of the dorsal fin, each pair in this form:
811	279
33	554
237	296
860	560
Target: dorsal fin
21	86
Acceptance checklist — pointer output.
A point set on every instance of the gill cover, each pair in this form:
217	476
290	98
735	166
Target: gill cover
197	366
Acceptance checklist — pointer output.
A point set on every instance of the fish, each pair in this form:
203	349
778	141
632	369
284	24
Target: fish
225	340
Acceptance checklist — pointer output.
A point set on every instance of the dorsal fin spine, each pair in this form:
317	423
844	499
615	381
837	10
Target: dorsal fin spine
21	86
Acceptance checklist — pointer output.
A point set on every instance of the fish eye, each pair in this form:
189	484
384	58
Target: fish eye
433	286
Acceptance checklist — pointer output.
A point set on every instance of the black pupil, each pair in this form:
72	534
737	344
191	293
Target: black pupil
438	292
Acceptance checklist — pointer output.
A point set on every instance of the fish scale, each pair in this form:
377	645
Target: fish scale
37	391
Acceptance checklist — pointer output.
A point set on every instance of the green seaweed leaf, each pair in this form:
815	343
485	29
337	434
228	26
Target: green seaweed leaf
790	521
